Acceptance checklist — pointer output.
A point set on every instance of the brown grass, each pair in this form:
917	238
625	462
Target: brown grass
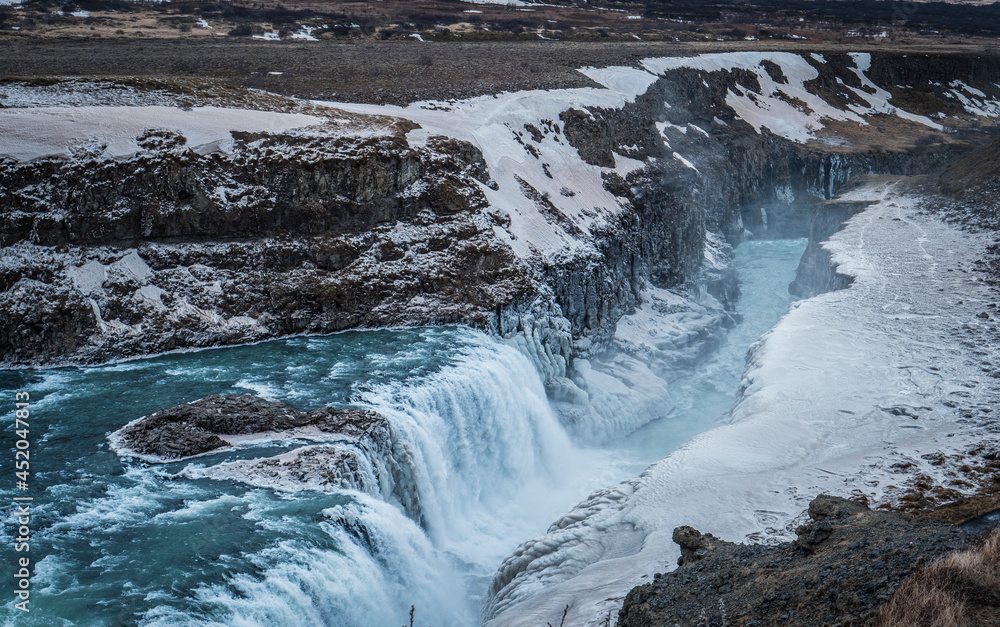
940	594
979	164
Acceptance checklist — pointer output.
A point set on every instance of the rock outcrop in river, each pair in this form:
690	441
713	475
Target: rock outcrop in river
195	428
357	449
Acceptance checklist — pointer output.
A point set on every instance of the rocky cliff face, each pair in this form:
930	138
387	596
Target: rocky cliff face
740	183
817	273
286	234
368	221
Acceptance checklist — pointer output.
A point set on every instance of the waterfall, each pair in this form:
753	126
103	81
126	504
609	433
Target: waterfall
477	444
360	563
479	431
472	463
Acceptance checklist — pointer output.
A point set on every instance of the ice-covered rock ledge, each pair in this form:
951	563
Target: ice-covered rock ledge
853	392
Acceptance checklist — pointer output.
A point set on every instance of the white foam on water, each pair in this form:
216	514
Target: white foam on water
488	449
131	502
383	563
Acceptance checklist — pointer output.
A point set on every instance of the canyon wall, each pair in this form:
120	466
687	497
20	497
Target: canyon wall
358	224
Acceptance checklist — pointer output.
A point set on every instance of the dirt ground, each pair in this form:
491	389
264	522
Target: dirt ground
375	71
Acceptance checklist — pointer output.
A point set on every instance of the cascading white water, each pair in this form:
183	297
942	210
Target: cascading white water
480	431
486	452
360	563
487	458
482	439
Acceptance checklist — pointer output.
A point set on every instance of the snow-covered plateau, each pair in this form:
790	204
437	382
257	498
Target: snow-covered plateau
591	235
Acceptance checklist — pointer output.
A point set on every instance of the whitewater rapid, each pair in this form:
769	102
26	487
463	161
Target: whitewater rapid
489	461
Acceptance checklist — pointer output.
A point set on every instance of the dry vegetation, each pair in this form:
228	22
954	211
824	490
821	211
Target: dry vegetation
444	20
961	590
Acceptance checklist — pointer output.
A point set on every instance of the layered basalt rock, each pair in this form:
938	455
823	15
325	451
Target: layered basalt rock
317	232
172	249
269	184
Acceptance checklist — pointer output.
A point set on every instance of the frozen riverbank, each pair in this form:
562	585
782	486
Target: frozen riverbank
847	394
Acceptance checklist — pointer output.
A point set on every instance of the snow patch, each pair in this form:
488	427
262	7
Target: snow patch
553	198
684	161
89	277
305	33
150	295
625	166
974	101
33	133
876	97
133	266
699	129
630	82
787	108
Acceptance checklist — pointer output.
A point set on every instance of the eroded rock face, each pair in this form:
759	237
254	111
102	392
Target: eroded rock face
294	233
846	563
694	544
270	183
816	273
168	249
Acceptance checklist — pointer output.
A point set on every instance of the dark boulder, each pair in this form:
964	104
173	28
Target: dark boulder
195	428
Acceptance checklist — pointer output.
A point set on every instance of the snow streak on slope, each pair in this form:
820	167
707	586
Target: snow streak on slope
876	97
845	386
553	198
974	101
111	131
786	107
